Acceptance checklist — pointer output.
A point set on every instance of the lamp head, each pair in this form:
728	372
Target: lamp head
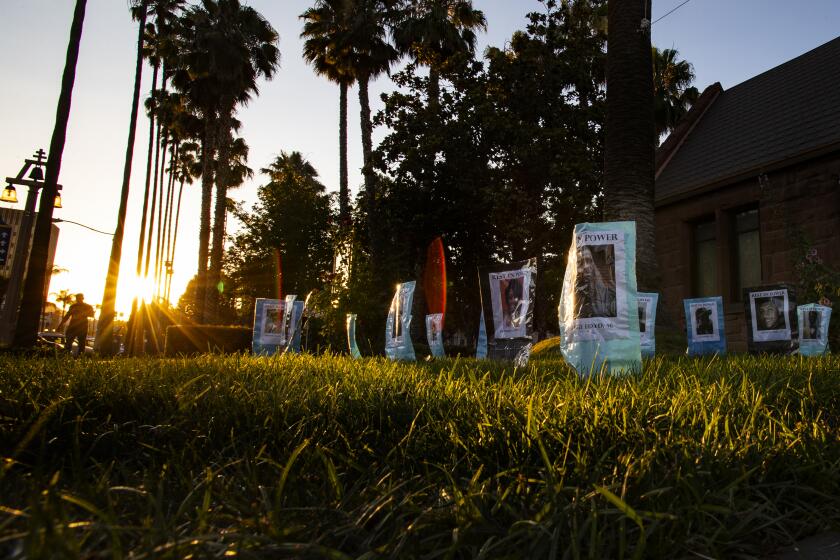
9	195
57	200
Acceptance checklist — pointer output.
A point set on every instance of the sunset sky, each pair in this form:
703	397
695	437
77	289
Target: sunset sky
726	41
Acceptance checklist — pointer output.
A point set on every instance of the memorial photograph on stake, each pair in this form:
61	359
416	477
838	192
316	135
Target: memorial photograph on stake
269	328
704	326
507	296
599	309
771	319
813	322
398	345
434	334
351	336
647	322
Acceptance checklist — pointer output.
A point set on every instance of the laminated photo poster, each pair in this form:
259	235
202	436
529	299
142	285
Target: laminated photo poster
507	306
813	329
269	326
481	345
647	323
351	336
704	326
398	345
434	290
599	313
771	319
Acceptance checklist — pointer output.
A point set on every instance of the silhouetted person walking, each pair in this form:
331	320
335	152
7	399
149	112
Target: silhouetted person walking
77	329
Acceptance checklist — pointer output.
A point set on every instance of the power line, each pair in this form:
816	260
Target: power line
59	220
671	12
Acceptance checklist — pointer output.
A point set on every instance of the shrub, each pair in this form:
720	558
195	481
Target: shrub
196	339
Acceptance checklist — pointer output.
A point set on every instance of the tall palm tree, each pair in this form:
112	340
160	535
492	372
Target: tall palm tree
630	132
673	93
32	300
371	55
327	49
433	31
227	47
105	326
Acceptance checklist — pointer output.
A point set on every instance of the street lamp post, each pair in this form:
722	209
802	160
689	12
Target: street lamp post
11	301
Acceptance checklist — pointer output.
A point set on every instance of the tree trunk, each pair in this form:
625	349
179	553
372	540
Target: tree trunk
630	136
220	210
434	91
36	274
133	322
153	208
208	153
343	193
149	155
105	326
175	236
367	142
168	215
161	203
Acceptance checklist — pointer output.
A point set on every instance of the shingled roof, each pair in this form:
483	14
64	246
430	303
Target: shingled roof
787	113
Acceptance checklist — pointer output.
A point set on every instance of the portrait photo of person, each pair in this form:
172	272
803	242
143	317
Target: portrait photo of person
273	320
705	326
811	327
770	313
595	281
510	290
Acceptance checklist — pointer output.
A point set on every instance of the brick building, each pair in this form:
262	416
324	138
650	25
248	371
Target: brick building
748	170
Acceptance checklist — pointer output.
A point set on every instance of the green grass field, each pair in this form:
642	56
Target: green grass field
325	457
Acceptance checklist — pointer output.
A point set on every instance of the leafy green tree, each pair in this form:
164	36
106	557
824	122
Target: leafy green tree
434	31
293	215
672	90
226	47
516	152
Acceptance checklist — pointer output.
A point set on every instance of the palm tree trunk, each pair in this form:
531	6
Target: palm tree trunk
434	91
133	323
367	141
153	208
630	136
36	273
162	202
343	193
149	156
105	326
208	152
219	213
175	236
168	213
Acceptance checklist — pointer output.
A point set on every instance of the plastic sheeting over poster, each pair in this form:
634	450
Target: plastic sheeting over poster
398	345
434	334
813	322
351	336
598	312
771	319
647	323
481	345
704	326
507	306
277	325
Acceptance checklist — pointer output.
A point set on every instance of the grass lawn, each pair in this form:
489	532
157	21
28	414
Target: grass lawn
326	457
